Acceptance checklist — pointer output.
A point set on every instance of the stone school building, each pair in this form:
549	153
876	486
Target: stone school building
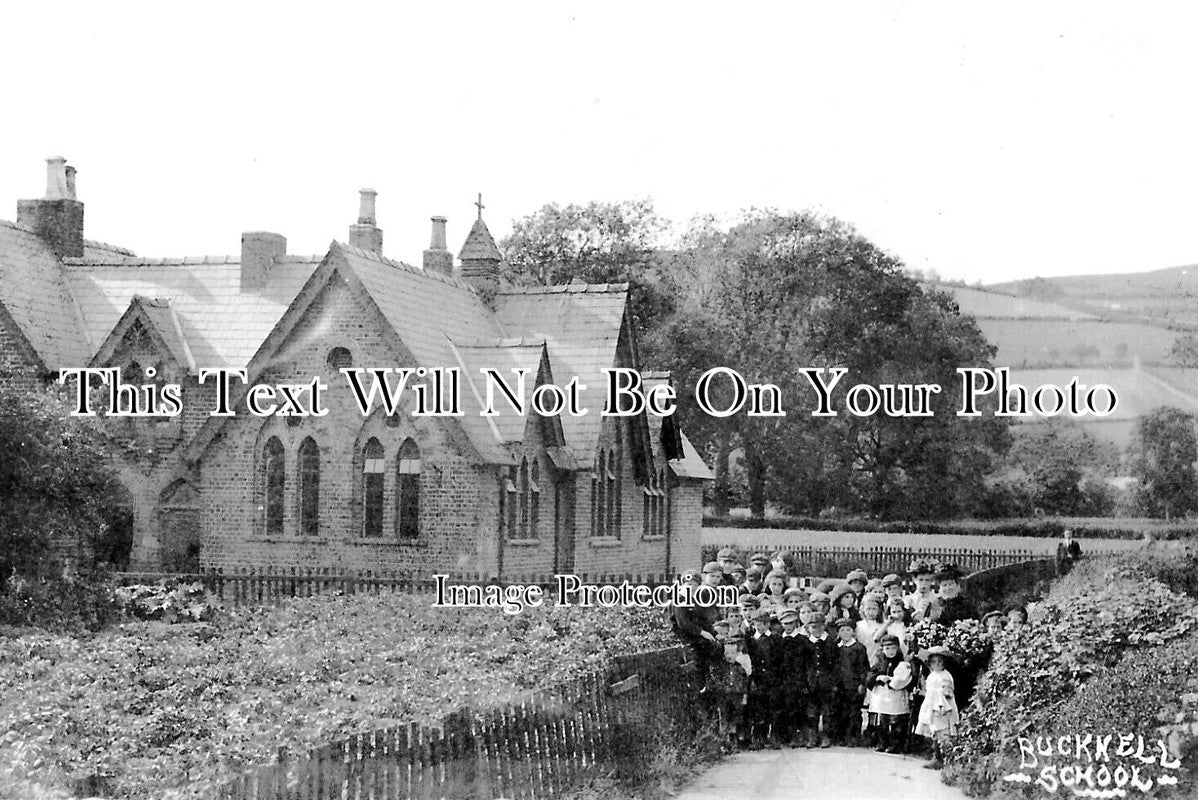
507	495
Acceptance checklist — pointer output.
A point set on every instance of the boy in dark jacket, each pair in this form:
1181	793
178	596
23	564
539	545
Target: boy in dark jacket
765	683
795	658
852	672
821	681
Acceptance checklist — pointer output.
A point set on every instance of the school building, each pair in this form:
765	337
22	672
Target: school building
503	495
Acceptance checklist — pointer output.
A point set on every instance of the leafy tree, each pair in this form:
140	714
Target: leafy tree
1184	352
801	290
1163	450
596	243
58	491
1055	467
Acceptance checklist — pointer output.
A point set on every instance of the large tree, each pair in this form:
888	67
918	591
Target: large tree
801	290
1163	451
596	243
58	494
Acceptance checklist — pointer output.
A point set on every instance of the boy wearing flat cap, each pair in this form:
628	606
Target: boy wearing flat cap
765	681
730	682
852	672
795	661
821	682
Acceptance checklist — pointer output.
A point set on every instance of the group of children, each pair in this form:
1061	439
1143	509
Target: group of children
840	664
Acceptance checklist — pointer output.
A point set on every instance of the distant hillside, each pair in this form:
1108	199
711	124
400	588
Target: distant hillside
1166	296
1112	329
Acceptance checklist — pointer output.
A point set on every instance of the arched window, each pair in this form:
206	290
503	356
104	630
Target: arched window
617	467
523	533
609	471
309	487
534	500
340	358
513	503
601	497
647	519
274	483
663	504
407	494
372	488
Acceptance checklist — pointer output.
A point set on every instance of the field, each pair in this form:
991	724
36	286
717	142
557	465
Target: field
765	538
1048	343
986	304
1169	295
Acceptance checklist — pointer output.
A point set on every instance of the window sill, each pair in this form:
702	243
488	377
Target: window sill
523	542
604	541
383	541
658	538
289	540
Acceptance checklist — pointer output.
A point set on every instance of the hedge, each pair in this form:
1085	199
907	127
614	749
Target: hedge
1111	650
1049	527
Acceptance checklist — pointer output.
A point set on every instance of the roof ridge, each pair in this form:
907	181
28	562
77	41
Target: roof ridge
175	261
106	246
391	262
501	343
561	288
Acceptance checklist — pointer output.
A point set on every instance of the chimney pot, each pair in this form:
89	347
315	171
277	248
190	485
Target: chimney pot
366	206
56	179
438	242
437	257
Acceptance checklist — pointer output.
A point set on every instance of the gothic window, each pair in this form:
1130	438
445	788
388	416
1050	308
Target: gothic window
523	533
511	495
372	489
534	500
663	504
274	483
340	358
599	481
309	487
612	499
617	468
407	494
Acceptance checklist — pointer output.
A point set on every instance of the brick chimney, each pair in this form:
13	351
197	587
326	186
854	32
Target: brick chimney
366	234
58	217
260	250
437	257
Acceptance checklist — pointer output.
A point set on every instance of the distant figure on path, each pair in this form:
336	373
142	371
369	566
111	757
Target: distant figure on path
1069	552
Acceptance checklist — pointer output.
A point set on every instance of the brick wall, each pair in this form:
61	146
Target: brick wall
18	369
458	499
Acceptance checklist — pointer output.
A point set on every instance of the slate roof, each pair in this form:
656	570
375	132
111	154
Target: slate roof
222	326
691	464
33	290
504	356
580	325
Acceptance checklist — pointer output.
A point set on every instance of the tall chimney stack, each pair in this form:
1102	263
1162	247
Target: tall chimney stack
437	257
366	234
58	217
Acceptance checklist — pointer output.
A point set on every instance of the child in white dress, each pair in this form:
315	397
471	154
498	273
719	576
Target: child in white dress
938	716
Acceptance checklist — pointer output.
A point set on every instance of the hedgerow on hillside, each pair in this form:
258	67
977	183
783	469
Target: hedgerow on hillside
1111	650
166	710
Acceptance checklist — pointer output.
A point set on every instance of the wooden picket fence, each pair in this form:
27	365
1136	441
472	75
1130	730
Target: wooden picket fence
836	562
539	746
270	584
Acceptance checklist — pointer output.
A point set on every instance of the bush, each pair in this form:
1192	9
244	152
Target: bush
68	603
168	601
1079	645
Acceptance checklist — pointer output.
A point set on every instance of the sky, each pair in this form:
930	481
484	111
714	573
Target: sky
987	142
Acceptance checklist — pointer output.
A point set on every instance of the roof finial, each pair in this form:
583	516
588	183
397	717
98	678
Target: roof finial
480	205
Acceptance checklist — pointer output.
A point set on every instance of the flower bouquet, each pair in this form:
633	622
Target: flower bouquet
926	633
966	638
923	565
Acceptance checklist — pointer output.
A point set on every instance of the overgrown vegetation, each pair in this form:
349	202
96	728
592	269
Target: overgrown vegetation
1112	650
1041	527
163	711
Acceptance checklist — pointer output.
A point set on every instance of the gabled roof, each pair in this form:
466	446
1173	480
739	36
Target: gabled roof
504	357
580	325
36	295
480	244
687	463
221	325
159	319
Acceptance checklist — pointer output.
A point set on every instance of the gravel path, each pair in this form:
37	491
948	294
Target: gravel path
799	774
